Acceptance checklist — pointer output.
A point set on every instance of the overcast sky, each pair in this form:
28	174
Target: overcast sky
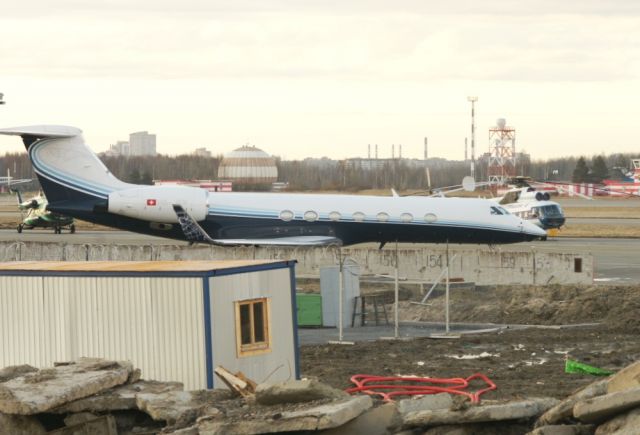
325	78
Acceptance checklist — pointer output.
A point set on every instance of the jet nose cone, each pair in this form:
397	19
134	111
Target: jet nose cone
533	230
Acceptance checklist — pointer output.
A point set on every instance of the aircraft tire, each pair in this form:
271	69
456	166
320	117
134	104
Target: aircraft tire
20	226
72	229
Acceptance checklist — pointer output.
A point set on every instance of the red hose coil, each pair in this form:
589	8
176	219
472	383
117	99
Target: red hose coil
405	386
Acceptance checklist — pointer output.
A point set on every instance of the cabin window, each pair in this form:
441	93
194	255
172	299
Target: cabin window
253	332
430	218
286	215
495	210
335	216
406	217
358	216
382	216
310	216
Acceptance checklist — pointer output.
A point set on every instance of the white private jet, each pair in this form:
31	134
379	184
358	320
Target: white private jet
78	184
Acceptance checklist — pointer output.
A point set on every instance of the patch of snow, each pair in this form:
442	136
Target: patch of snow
471	356
539	362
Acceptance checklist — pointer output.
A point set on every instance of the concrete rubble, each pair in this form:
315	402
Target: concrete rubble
607	406
95	396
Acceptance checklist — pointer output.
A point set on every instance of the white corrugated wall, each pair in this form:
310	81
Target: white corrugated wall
156	322
23	325
277	365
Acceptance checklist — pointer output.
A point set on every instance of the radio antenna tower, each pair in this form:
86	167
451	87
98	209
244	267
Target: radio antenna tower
502	150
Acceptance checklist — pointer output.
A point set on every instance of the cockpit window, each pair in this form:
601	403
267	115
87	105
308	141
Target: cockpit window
550	211
496	210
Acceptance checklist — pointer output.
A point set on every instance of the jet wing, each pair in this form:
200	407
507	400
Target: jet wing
194	233
283	241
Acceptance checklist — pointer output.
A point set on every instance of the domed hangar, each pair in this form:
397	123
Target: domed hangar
248	167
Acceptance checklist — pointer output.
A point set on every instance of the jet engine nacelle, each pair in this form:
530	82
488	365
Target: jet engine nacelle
155	203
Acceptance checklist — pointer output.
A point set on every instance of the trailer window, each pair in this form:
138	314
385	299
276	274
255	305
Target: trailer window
252	327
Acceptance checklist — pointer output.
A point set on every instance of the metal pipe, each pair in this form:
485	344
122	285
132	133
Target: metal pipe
396	295
447	293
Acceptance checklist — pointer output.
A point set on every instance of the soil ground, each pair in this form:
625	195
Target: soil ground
522	362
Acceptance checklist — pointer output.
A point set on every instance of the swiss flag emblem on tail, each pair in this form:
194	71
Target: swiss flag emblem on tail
151	202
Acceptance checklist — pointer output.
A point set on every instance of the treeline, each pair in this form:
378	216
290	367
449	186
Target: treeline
401	175
145	169
344	176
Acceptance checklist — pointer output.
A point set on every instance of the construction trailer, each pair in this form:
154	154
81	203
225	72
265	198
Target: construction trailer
175	320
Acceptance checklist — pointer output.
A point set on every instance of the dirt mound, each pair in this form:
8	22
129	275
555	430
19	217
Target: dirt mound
615	306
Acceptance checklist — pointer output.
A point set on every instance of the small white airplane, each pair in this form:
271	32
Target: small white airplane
79	185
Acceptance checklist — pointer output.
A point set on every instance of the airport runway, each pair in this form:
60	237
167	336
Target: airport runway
616	260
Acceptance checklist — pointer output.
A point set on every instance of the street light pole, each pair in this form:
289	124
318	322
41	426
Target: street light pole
473	135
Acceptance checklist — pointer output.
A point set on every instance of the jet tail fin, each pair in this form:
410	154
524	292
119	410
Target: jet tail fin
67	169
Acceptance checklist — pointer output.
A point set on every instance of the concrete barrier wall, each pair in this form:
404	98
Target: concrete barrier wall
480	265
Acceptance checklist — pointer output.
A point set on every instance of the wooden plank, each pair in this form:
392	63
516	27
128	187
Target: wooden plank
237	382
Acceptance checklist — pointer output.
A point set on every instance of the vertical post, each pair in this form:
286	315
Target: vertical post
446	315
396	295
473	135
426	153
466	155
340	295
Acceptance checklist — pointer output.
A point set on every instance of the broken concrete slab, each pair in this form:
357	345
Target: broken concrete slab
623	424
601	408
480	413
564	429
563	411
51	387
118	398
319	417
426	403
381	420
306	390
20	425
8	373
625	379
183	406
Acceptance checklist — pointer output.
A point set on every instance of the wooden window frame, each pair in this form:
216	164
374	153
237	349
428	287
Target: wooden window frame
251	349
